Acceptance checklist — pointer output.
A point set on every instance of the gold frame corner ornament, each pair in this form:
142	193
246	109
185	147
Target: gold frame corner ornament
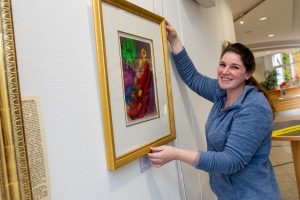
14	167
226	43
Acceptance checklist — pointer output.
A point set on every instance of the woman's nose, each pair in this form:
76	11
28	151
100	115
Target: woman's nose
226	69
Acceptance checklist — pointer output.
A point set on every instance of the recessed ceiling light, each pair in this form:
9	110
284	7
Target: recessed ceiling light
271	35
241	22
263	18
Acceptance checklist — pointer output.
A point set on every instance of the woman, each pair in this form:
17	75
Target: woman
238	129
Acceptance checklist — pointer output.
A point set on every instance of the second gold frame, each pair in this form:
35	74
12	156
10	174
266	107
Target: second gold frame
14	166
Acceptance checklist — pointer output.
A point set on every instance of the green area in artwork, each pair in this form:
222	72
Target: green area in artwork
128	50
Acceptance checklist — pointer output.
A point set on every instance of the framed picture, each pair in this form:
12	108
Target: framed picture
134	79
14	167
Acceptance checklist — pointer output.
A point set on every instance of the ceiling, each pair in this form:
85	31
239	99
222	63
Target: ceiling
283	21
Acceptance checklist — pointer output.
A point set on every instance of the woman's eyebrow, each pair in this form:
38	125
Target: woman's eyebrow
235	64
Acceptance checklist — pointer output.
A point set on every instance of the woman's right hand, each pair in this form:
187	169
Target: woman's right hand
162	155
173	38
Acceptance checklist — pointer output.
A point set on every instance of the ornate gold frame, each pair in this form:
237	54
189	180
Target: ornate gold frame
14	170
114	162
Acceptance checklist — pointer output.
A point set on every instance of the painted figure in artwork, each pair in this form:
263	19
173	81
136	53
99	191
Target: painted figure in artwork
142	86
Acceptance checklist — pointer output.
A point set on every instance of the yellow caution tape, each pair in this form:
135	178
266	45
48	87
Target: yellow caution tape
286	130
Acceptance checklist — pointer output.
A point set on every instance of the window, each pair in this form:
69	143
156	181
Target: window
287	65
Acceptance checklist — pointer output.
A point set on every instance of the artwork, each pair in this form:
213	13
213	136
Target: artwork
14	167
139	86
134	80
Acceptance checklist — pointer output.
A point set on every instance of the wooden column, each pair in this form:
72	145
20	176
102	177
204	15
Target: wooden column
296	156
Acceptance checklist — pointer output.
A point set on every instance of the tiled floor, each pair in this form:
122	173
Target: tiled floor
282	160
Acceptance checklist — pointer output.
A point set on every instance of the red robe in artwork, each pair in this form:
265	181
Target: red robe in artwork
140	98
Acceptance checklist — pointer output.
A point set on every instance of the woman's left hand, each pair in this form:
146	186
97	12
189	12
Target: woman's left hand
162	155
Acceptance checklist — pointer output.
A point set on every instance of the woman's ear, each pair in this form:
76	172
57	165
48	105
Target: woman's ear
248	75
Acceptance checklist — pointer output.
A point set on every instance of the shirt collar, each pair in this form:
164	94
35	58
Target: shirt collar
238	102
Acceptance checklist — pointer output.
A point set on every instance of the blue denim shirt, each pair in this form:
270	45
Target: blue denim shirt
238	139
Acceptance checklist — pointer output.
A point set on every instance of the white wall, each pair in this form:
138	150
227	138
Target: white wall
259	73
268	63
57	62
203	33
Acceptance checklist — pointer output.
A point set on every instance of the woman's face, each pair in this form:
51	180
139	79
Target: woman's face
232	73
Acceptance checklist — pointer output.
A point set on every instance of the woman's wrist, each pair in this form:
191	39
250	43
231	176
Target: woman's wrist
188	156
196	160
176	46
